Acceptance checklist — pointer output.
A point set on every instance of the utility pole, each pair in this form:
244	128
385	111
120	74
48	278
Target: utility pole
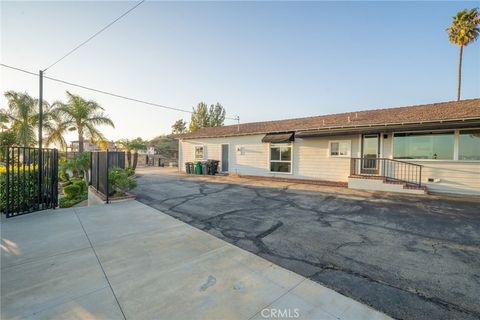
40	138
238	123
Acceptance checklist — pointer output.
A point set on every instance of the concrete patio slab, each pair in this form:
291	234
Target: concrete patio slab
121	219
100	304
142	264
48	282
40	235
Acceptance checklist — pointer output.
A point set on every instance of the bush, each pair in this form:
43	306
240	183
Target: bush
21	191
120	181
63	175
67	203
71	191
81	184
130	171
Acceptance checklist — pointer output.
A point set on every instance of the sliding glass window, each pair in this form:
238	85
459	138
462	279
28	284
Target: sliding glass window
469	145
424	145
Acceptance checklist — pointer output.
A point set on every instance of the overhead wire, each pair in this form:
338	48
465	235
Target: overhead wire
106	92
94	35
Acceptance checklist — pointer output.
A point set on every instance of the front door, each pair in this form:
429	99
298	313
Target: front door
370	153
225	157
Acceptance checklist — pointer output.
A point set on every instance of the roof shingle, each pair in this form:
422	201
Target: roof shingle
453	110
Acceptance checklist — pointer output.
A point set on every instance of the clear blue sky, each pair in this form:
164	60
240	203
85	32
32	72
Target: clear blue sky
262	61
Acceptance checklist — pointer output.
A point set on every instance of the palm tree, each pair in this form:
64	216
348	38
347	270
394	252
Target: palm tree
83	116
55	129
463	31
137	145
22	115
3	121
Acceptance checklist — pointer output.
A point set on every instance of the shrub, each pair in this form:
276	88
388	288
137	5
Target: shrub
21	191
120	181
130	171
67	203
71	191
63	175
81	184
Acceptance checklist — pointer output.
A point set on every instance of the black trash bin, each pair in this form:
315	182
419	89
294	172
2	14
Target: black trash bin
209	167
188	167
213	169
192	167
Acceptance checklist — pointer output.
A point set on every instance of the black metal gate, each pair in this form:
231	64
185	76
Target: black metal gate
27	186
100	163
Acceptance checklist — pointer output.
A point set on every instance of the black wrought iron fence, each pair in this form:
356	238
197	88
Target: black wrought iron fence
403	171
28	180
100	163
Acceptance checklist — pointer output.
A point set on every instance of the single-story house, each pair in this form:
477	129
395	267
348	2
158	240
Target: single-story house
405	149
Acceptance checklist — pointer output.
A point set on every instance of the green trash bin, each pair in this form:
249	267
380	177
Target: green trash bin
198	167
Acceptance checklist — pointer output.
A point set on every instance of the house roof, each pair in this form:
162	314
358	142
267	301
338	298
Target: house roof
435	112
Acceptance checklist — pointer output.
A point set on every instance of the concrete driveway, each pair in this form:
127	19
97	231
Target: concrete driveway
412	257
129	261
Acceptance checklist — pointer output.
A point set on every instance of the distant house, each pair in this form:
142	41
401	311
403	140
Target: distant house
398	149
89	146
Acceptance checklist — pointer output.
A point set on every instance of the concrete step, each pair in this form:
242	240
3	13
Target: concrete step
376	183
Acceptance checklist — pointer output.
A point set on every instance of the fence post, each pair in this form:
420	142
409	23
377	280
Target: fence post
106	175
98	169
90	172
420	179
7	203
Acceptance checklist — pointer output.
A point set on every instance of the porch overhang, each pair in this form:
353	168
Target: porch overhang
279	137
387	128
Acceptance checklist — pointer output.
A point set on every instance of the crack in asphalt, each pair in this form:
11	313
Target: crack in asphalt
282	198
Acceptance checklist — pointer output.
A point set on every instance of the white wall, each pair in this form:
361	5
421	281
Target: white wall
311	161
455	176
250	156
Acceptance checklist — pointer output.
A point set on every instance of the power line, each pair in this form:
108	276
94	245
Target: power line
93	36
106	92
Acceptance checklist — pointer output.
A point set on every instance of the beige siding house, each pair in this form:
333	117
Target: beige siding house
407	149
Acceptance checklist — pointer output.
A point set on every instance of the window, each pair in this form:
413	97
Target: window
281	158
199	152
339	148
469	145
424	145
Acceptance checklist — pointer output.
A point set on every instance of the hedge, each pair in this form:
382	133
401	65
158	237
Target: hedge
22	192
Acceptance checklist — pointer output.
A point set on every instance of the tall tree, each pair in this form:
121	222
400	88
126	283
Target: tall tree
463	31
22	116
55	129
199	118
203	116
3	121
216	115
180	126
82	116
165	145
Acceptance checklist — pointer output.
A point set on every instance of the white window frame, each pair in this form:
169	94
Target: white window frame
349	148
290	145
195	152
456	145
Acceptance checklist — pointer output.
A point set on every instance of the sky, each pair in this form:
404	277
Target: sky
260	60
